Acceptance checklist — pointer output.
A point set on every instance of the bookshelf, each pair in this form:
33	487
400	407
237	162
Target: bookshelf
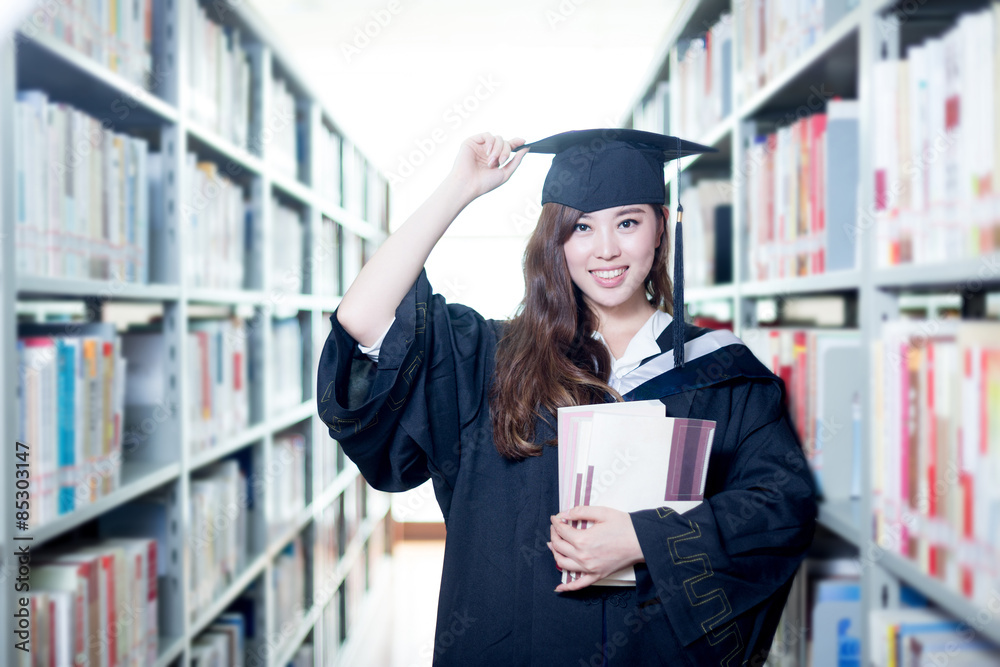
838	61
274	160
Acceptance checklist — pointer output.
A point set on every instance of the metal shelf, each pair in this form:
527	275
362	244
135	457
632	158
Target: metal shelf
710	293
169	649
234	444
249	573
137	479
46	62
966	275
287	651
818	54
291	187
212	295
843	517
835	281
107	290
959	606
217	147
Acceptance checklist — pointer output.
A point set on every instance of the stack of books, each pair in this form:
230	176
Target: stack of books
283	144
223	643
217	221
218	536
96	604
935	460
118	35
286	497
708	233
704	72
630	456
937	147
288	582
71	403
802	190
287	252
285	364
327	180
823	389
83	195
218	78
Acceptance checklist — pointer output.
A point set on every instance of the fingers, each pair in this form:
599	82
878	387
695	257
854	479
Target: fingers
582	581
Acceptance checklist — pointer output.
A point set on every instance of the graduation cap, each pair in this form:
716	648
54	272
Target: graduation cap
597	169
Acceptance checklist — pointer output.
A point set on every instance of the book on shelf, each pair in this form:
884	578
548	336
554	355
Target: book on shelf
774	33
352	258
288	253
329	628
937	146
823	390
232	627
920	635
285	362
283	146
704	72
218	221
934	463
630	456
708	232
286	497
71	389
328	179
219	531
117	35
353	166
83	195
105	602
304	656
802	195
288	581
653	113
325	260
218	79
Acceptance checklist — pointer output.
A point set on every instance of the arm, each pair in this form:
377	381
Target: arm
370	303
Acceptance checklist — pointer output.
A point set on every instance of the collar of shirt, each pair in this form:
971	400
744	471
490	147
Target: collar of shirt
642	345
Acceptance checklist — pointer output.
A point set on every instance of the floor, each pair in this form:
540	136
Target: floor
406	637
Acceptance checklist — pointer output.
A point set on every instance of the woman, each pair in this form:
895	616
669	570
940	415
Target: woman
413	387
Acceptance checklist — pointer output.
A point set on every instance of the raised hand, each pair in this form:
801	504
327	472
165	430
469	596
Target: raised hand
607	546
482	162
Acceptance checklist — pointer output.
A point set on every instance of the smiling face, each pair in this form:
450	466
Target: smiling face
609	254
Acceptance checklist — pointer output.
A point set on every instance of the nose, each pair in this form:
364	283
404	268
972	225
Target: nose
606	244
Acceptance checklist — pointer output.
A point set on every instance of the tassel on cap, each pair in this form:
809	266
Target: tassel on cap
679	278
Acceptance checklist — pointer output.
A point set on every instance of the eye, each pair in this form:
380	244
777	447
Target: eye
627	224
581	227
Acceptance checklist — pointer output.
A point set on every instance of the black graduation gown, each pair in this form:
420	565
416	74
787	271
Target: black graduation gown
715	579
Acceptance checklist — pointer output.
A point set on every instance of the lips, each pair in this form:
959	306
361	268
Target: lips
610	277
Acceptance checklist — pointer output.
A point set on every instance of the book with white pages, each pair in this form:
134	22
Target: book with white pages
630	456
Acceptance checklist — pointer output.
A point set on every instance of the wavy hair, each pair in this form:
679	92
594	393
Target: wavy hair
548	357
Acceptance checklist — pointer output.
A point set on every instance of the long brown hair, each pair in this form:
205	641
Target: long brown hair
548	358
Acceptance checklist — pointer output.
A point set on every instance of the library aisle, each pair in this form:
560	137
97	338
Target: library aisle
181	214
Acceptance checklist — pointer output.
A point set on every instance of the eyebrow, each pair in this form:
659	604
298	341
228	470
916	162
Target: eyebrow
631	210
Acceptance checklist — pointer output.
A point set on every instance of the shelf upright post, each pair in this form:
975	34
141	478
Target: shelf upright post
8	349
879	39
745	308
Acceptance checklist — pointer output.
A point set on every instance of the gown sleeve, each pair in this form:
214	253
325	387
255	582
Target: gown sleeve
738	549
400	419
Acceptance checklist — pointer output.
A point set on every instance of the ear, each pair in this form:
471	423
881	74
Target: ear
664	233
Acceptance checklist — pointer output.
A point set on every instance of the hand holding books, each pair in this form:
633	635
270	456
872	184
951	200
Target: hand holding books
608	545
622	457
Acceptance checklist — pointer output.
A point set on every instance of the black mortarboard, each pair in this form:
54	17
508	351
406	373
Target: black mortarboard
597	169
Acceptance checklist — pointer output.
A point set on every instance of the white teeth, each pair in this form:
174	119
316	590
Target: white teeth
608	274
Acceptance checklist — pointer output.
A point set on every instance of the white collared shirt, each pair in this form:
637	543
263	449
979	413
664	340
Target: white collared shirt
642	346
